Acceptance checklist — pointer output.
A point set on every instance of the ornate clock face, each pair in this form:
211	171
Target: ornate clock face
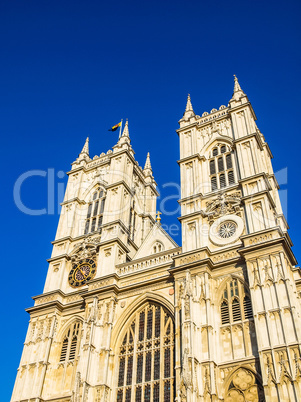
82	272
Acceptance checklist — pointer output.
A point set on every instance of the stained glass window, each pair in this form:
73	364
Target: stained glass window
146	357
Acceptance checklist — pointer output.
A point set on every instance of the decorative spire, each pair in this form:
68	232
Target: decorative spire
147	162
125	132
236	84
189	109
238	92
147	167
85	149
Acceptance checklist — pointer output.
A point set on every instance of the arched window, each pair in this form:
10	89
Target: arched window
222	181
213	183
221	161
146	357
157	247
215	152
225	312
231	179
236	304
70	343
95	212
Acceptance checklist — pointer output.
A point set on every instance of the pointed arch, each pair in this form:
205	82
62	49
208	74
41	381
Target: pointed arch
69	338
95	197
245	382
135	305
97	183
229	278
144	352
61	332
214	141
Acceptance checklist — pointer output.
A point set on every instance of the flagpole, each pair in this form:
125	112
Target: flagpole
120	129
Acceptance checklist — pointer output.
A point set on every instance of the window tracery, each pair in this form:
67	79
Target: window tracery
244	387
146	357
95	212
236	304
70	343
221	167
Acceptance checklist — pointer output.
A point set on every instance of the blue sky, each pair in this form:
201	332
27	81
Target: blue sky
72	69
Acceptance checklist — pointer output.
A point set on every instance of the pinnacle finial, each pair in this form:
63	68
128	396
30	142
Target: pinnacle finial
147	162
189	107
236	84
158	217
238	92
125	132
85	149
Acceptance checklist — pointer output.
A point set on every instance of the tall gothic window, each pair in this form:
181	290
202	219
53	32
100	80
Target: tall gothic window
146	357
132	222
95	212
221	167
70	343
236	304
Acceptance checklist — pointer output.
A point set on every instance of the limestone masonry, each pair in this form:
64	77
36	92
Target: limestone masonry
128	315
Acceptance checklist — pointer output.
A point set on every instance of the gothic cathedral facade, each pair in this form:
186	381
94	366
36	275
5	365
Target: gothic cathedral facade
127	315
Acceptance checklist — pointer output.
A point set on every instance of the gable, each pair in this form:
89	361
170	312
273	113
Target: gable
155	242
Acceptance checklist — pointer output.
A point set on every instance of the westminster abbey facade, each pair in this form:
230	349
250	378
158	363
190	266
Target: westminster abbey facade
128	315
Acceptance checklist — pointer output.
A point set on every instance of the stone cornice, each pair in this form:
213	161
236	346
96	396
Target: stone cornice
58	257
255	177
204	120
242	106
75	199
118	241
191	157
205	257
252	135
207	195
267	242
255	196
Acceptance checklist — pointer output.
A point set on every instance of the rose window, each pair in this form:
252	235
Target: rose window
227	229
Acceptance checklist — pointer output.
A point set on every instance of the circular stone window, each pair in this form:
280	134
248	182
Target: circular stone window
226	230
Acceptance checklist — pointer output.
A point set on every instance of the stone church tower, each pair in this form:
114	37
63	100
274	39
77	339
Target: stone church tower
127	315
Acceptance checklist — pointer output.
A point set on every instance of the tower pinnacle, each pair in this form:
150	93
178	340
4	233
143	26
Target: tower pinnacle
189	109
85	149
147	167
125	132
147	162
238	92
188	105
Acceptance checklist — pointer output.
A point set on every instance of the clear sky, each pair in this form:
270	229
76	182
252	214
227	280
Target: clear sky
72	69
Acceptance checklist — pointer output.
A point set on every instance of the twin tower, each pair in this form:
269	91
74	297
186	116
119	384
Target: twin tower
127	315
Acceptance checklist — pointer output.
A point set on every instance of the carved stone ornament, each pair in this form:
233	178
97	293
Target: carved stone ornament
224	204
226	230
86	249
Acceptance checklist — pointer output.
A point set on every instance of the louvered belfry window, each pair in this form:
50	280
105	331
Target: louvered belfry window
95	212
236	305
70	343
221	167
146	357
